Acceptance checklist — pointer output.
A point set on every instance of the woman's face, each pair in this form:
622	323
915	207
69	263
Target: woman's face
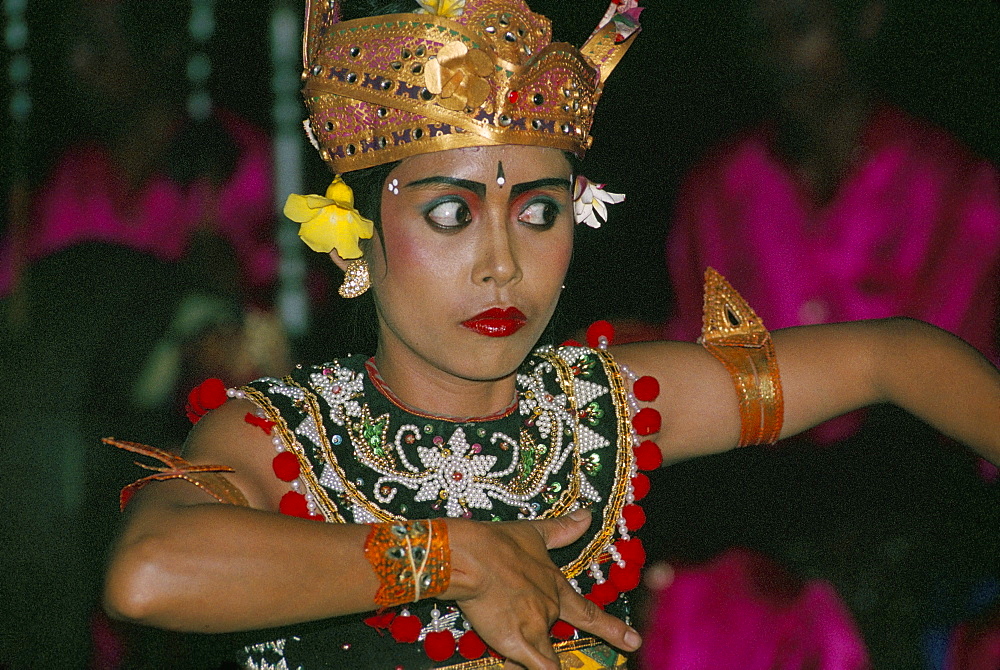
476	244
800	45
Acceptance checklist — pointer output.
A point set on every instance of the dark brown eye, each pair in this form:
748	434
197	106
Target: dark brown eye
449	214
539	213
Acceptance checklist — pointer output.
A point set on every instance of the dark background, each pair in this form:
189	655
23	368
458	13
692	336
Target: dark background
896	517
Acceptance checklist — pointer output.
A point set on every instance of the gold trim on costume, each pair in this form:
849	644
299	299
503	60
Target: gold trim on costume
736	336
623	458
586	653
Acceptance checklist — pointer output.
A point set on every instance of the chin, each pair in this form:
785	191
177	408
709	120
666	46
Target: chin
495	358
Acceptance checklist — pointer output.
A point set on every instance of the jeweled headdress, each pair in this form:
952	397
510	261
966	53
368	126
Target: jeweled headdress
463	73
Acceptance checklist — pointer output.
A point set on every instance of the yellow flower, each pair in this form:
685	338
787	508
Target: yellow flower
330	222
448	8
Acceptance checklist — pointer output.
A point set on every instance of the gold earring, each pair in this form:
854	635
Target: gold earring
356	279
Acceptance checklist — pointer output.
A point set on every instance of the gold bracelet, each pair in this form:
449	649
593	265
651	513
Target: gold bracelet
412	560
736	336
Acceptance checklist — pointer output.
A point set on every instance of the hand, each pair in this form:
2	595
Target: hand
511	592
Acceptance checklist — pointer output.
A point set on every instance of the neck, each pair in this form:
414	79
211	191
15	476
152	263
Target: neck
428	389
822	143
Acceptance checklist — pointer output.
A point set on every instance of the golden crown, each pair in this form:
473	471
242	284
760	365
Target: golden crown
466	73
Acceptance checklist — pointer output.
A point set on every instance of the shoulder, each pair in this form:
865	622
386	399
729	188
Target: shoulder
228	436
742	152
894	129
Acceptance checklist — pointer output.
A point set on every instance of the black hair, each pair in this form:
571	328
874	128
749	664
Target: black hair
361	9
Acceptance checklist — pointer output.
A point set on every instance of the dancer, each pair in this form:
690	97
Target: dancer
466	498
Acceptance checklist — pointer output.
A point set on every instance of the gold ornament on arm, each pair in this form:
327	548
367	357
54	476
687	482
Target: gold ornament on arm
736	336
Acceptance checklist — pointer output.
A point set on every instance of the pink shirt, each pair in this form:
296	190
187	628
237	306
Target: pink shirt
744	611
913	231
86	200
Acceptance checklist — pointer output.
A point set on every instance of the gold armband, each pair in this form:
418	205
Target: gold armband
206	477
736	336
412	560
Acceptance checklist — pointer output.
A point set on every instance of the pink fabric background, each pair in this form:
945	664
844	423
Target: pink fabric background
914	231
743	611
85	200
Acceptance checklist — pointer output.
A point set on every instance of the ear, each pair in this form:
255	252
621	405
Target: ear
341	262
871	19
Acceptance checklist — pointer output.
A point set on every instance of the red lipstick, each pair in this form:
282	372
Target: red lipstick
497	322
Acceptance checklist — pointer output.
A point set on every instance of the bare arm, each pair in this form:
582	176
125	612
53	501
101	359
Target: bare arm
826	371
184	562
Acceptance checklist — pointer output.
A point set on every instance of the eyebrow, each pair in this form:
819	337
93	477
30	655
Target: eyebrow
480	189
469	185
518	189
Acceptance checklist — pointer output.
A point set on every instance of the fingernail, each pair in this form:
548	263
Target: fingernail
580	514
632	639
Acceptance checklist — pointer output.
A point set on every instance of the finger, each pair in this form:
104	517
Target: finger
540	656
563	530
585	615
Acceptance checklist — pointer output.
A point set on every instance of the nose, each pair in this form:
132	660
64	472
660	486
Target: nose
497	254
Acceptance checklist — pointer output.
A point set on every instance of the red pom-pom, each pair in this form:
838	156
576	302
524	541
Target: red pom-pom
646	421
209	394
206	396
631	551
648	456
381	621
571	343
594	599
439	645
471	646
260	422
562	630
405	628
640	486
626	578
596	330
605	593
634	517
286	466
646	389
293	503
316	517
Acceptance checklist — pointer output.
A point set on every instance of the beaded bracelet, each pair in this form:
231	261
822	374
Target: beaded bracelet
412	560
736	336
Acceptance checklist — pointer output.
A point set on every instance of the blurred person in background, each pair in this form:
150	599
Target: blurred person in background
841	206
145	260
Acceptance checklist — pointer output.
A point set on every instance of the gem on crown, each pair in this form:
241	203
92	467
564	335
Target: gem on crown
384	88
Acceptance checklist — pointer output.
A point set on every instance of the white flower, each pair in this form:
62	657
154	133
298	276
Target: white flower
589	202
